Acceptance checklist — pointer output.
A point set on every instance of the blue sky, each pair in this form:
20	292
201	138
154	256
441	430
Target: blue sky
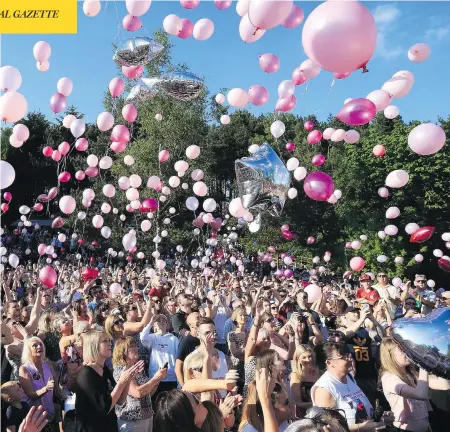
226	61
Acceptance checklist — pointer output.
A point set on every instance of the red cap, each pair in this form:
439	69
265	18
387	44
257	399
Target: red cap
365	277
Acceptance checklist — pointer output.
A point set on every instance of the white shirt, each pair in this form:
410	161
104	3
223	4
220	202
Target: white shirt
347	396
389	291
222	371
163	350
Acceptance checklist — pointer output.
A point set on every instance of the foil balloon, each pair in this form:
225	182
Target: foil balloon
444	264
137	51
58	222
263	181
89	273
145	89
425	341
422	234
357	112
181	85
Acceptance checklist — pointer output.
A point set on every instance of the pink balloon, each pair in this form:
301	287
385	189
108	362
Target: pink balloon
116	87
58	103
269	63
163	156
298	77
81	144
7	196
172	24
120	133
351	136
318	186
265	14
357	112
340	36
308	125
13	107
426	139
186	28
338	75
105	121
137	7
419	52
189	4
129	113
91	171
43	198
310	240
398	86
118	147
337	135
4	207
149	205
15	142
258	95
314	137
64	148
56	155
290	147
41	249
380	98
48	277
248	32
357	263
286	104
203	29
318	159
391	112
38	207
21	132
47	151
237	97
223	4
42	51
295	17
131	23
133	72
379	150
327	133
80	175
64	177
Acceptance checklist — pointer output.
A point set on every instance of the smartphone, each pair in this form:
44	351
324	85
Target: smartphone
98	282
166	365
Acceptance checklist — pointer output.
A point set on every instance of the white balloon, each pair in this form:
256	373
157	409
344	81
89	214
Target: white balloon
128	160
411	228
419	257
24	209
146	225
81	215
135	181
431	283
13	260
292	193
392	212
391	230
292	163
92	160
300	173
397	179
97	221
277	128
381	258
382	235
105	232
105	162
253	148
192	203
209	205
398	260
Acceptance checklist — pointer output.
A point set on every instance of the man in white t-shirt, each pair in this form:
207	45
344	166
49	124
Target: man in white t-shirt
164	347
220	312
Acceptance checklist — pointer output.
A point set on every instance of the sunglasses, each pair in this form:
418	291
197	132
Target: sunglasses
133	308
381	275
410	303
118	322
421	281
156	301
345	356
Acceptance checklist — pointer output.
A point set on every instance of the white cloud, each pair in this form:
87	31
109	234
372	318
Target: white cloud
437	34
386	14
386	18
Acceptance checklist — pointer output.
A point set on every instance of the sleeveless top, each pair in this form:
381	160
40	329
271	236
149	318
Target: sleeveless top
39	382
347	396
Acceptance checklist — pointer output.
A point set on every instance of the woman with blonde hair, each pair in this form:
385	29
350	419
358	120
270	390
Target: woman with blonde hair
304	375
404	388
97	392
37	378
136	415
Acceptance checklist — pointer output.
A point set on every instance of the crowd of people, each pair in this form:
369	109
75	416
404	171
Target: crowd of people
182	350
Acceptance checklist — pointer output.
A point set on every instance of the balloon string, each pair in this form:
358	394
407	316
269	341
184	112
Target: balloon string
327	97
119	27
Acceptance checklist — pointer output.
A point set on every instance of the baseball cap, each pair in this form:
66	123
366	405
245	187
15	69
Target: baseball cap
365	277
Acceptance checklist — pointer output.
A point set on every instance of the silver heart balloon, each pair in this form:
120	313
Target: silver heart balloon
145	89
137	51
263	181
426	341
182	85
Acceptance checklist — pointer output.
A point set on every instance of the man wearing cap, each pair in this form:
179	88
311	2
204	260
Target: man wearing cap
366	294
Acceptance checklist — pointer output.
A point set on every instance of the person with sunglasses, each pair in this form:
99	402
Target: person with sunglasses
337	389
425	298
388	292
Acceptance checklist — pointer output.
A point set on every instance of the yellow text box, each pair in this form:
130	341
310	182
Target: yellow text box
38	16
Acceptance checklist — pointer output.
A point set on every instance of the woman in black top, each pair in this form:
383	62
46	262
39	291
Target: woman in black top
97	392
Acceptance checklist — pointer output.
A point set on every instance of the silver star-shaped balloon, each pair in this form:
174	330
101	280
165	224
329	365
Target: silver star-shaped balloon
137	51
263	182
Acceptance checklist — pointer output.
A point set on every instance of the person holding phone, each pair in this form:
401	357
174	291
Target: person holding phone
164	347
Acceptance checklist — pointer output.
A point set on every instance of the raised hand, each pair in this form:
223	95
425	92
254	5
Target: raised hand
35	420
